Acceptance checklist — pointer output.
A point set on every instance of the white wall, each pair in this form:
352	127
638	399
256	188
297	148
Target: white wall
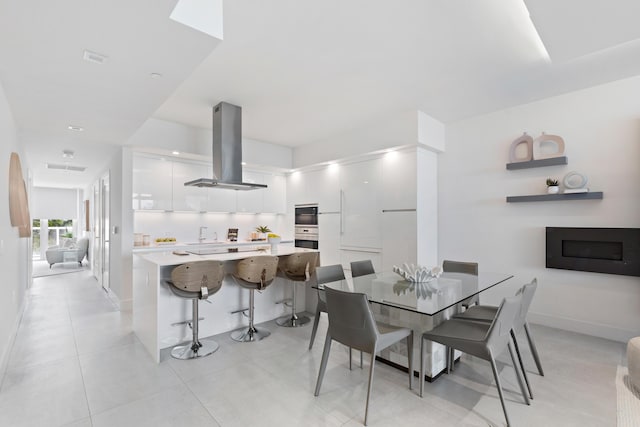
13	250
601	129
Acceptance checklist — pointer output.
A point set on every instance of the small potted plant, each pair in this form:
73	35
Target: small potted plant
263	230
552	186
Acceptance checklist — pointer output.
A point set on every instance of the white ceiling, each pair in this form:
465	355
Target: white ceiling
301	70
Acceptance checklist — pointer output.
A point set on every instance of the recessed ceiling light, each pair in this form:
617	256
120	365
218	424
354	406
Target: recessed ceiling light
243	163
177	153
75	128
155	75
67	154
94	57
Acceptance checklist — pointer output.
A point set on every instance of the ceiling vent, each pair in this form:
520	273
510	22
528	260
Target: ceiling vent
96	57
66	167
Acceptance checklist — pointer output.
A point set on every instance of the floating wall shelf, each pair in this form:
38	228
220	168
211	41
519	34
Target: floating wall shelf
554	161
596	195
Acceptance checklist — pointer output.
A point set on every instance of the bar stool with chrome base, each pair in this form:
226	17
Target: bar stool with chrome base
196	280
298	267
254	273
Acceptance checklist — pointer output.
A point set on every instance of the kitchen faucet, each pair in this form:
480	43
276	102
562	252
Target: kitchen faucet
201	237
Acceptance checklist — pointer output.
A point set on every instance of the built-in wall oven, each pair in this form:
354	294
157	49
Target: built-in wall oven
306	226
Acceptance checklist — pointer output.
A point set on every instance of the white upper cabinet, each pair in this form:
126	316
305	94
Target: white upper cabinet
220	199
152	183
193	199
324	188
399	180
275	195
297	190
251	201
361	204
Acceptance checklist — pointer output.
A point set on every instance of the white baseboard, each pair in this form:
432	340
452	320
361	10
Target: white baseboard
4	358
582	327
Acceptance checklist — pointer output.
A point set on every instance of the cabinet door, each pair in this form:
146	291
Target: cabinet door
399	180
329	238
361	188
275	195
296	190
189	198
399	239
152	183
219	199
251	200
323	187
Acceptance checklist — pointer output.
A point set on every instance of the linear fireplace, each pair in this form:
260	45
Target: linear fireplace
601	250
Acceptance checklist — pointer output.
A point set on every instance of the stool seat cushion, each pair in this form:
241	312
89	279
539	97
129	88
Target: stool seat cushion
633	361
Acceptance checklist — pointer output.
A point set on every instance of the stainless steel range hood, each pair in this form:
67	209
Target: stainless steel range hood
227	151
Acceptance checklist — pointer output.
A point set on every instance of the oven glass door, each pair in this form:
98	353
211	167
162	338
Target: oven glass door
309	244
306	216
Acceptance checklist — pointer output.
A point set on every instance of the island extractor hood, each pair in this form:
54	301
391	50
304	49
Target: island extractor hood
227	151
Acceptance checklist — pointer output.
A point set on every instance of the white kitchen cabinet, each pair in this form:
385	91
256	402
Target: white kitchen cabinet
194	199
251	201
399	239
361	204
329	238
399	180
323	186
275	195
296	190
152	183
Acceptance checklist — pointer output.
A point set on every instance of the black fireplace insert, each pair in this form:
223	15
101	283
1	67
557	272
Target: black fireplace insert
600	250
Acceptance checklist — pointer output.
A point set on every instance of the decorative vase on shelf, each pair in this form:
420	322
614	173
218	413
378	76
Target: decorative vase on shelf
553	189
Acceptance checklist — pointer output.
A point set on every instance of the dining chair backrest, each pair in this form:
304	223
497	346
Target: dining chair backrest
498	334
329	273
257	270
362	268
193	276
299	266
350	319
527	291
449	266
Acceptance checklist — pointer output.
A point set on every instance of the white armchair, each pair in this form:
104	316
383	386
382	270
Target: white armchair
55	254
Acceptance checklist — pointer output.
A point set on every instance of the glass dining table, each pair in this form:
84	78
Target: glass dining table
419	306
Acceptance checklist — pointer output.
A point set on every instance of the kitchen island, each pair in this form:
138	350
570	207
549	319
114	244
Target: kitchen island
158	314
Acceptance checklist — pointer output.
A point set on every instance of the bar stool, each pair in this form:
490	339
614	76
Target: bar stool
196	280
298	267
254	273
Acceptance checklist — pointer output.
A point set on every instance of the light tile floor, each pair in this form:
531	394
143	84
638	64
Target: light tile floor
76	362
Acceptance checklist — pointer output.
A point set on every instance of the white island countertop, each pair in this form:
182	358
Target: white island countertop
193	246
167	257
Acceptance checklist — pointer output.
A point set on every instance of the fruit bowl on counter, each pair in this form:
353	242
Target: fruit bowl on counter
165	241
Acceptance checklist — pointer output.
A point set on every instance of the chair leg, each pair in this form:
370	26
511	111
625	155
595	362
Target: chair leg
350	358
410	358
499	386
315	327
534	351
323	363
516	368
524	372
422	366
366	408
360	360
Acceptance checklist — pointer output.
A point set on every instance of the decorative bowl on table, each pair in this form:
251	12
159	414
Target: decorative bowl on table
416	273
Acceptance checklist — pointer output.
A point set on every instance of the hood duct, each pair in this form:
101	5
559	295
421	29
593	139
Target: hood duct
227	151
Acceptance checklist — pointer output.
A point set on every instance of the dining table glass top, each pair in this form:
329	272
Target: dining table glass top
428	298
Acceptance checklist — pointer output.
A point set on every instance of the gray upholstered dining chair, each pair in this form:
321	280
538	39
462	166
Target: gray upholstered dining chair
361	268
483	340
195	281
486	313
298	268
254	273
449	266
324	274
351	323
